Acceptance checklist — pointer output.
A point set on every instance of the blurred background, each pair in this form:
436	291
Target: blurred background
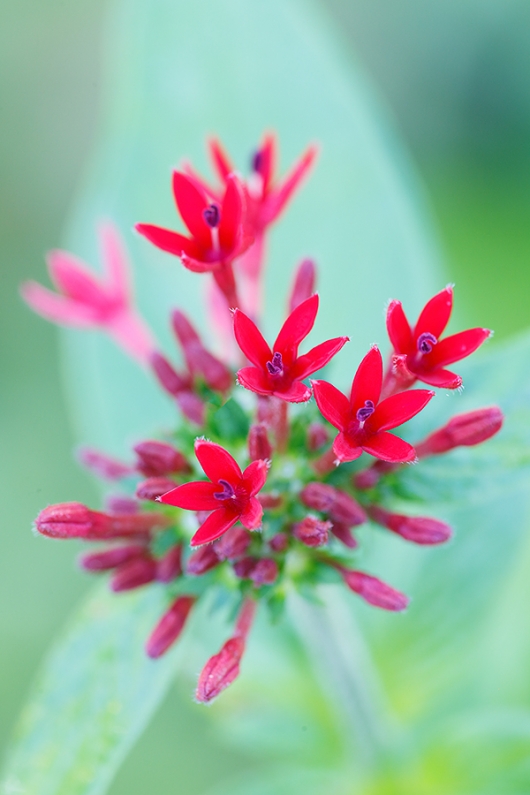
454	75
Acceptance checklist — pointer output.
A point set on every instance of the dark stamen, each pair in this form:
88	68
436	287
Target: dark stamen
257	161
228	492
426	342
212	215
276	366
366	411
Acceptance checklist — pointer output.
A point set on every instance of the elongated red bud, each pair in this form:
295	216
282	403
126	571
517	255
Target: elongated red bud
343	533
198	359
110	558
375	591
464	430
418	529
262	571
259	446
153	488
74	520
279	542
220	670
167	376
312	532
169	627
337	504
202	560
317	436
269	500
102	465
159	458
304	284
170	565
134	573
192	407
118	503
368	478
232	544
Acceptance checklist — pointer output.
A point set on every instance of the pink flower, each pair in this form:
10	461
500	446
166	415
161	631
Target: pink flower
84	301
363	422
230	494
280	371
421	351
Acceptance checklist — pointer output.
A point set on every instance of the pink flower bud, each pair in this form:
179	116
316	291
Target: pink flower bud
199	360
262	571
202	560
318	496
167	376
134	573
232	544
304	284
317	436
169	627
279	542
344	534
337	504
259	446
102	465
370	477
464	430
111	558
170	566
418	529
374	591
325	463
191	406
74	520
312	532
243	567
158	458
117	503
269	500
220	670
153	488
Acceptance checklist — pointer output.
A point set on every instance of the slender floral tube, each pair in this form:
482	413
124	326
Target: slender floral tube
418	529
74	520
169	627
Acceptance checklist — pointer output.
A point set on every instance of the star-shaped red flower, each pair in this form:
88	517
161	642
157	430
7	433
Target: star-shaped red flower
363	422
280	371
421	351
230	494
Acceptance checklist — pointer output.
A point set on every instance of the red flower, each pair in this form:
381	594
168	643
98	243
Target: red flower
280	371
363	422
215	228
231	494
420	349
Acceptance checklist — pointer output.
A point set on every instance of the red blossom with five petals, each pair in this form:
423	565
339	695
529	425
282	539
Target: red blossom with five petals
280	371
420	349
362	420
230	494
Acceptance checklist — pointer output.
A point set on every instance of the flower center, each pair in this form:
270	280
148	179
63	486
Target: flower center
426	342
275	367
366	411
212	215
228	492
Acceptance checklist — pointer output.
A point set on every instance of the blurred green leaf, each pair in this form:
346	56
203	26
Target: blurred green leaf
92	698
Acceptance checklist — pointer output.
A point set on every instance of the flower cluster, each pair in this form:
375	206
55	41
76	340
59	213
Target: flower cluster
260	495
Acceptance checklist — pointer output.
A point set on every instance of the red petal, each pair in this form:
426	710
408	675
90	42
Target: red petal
398	409
398	328
317	357
252	515
231	212
388	447
220	159
333	405
443	379
191	203
304	283
74	279
368	380
255	380
214	526
217	462
57	308
297	327
254	476
115	260
346	448
250	340
195	496
284	192
198	266
457	347
435	314
267	160
169	241
295	393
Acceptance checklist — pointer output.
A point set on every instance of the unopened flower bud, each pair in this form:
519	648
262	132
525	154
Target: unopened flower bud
318	496
343	533
368	478
167	376
134	573
269	500
312	532
232	544
191	406
169	627
262	571
199	360
156	459
153	488
464	430
202	560
375	591
102	465
279	542
74	520
418	529
317	436
118	503
111	558
170	566
304	284
220	670
337	504
259	446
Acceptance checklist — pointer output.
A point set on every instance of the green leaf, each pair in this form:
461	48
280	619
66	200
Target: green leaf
279	64
92	698
230	421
